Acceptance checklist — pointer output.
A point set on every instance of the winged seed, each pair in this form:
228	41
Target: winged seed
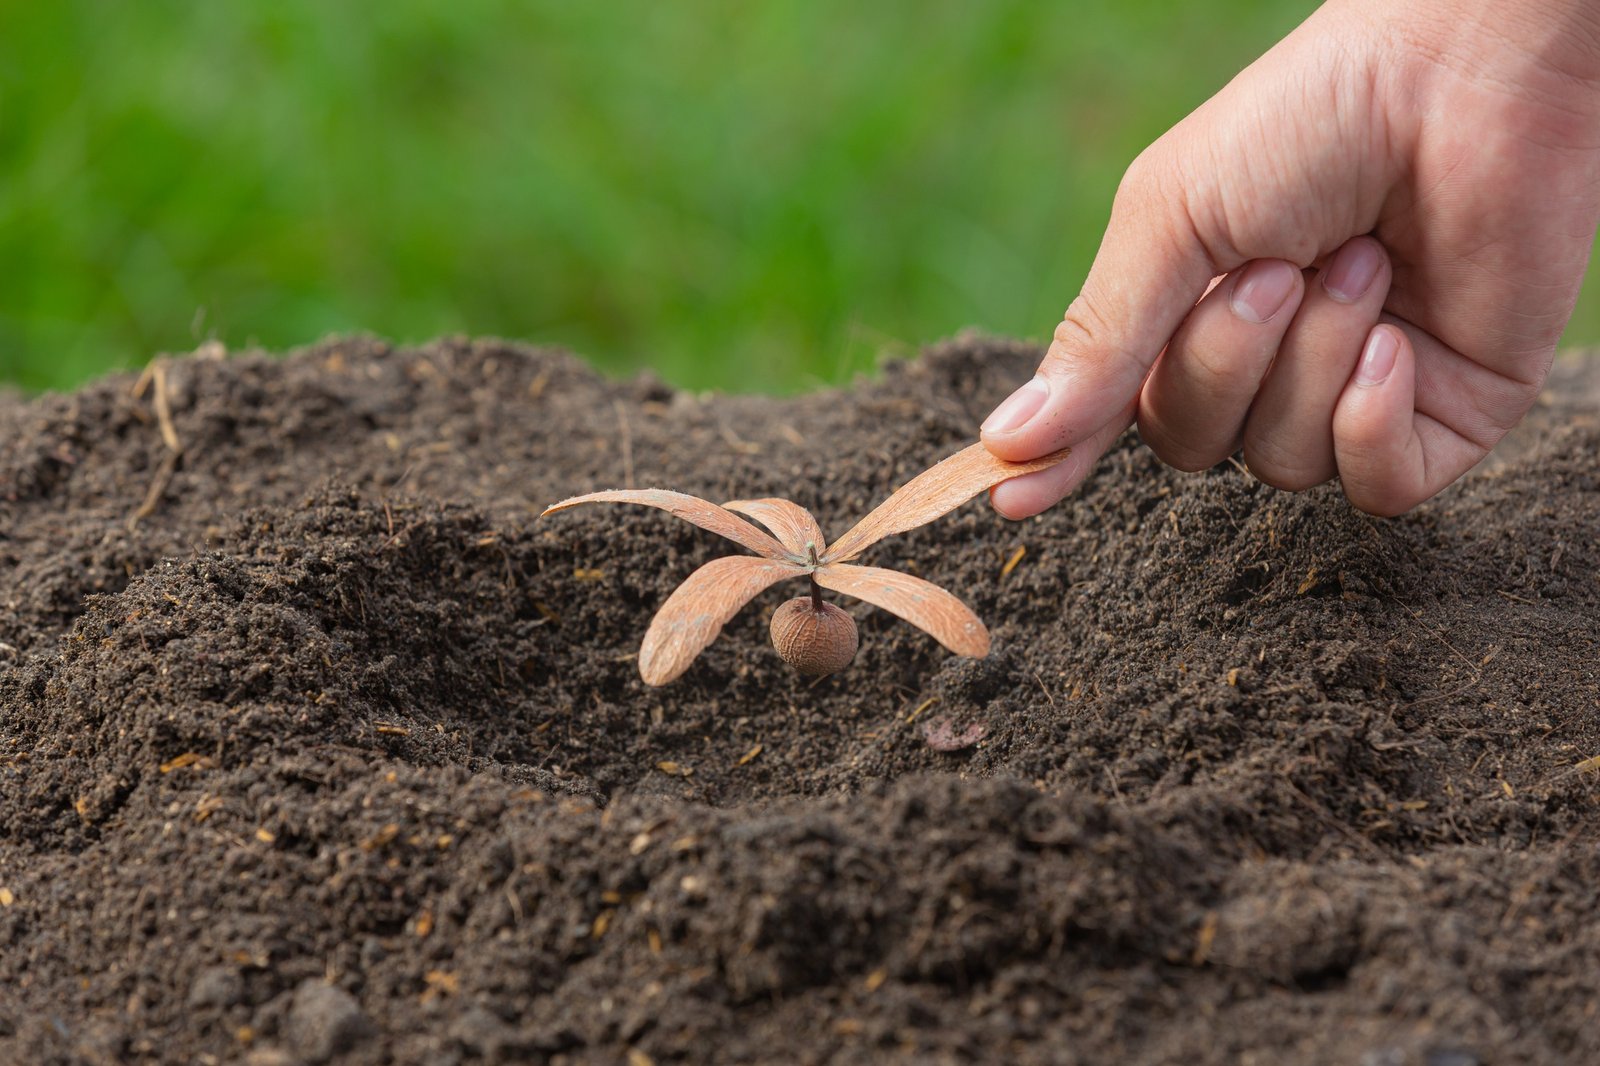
693	616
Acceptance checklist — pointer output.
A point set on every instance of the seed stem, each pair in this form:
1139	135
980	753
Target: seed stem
816	590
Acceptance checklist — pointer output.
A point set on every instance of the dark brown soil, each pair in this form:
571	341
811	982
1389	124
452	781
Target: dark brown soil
317	746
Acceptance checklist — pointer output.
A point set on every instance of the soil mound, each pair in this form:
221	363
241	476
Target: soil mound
315	746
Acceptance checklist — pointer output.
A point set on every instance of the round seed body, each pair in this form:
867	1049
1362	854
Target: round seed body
814	642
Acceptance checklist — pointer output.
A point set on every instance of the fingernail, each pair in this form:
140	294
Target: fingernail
1262	290
1353	271
1378	358
1015	410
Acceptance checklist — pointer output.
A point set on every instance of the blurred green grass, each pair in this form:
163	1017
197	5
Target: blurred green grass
741	196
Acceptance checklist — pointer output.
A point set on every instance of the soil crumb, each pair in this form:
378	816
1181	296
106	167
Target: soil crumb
317	746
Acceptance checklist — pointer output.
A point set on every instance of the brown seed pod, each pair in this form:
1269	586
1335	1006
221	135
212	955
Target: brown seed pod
814	638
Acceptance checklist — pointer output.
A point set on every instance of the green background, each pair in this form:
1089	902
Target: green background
740	195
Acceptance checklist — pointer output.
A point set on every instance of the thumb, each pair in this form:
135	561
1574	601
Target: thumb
1150	270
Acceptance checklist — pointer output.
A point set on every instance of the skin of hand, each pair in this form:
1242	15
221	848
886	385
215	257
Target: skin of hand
1388	217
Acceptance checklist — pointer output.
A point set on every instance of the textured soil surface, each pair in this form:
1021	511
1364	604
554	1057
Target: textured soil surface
315	746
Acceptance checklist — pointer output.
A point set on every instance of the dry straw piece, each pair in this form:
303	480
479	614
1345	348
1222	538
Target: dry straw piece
695	613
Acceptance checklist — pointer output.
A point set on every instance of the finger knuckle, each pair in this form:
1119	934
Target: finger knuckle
1088	328
1213	371
1143	179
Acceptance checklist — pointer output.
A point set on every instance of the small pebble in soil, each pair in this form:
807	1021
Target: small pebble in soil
483	1033
942	734
216	986
325	1021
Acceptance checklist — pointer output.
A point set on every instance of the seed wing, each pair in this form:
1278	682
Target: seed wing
788	521
693	509
922	603
935	492
698	609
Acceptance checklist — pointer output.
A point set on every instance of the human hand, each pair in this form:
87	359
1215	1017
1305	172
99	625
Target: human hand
1400	199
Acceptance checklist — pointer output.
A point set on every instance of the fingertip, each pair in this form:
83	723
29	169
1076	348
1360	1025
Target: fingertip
1263	289
1028	495
1011	448
1379	356
1379	455
1194	406
1016	502
1357	268
1016	410
1020	426
1375	409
